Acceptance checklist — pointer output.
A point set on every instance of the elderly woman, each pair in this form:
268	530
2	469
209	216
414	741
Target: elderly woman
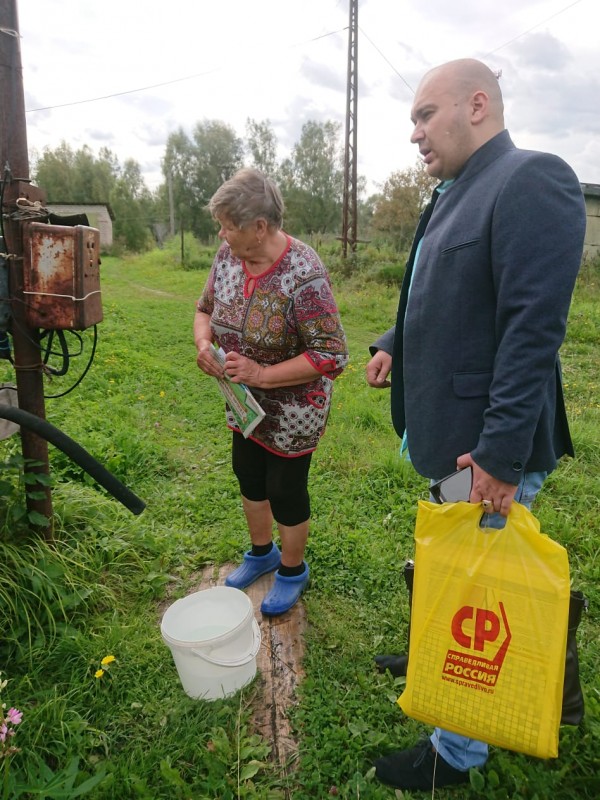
268	304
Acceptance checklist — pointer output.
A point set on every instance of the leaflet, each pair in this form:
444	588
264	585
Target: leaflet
242	403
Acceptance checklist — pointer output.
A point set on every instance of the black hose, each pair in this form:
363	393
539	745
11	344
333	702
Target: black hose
76	453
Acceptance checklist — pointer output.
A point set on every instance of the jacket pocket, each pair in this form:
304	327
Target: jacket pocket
471	384
461	246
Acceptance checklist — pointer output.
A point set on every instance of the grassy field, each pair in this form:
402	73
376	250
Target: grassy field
146	413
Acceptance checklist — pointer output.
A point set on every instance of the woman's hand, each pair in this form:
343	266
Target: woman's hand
240	369
206	359
203	338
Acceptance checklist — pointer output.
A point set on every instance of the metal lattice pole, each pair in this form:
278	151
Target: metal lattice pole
350	212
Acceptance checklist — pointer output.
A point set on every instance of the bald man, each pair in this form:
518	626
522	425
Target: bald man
473	357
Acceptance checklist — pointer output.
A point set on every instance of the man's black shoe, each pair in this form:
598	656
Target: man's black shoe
418	768
397	665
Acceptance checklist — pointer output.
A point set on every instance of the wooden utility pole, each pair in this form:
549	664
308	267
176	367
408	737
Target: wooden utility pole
171	206
350	211
14	164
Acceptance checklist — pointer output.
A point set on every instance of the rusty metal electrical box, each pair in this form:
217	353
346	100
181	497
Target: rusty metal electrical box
61	276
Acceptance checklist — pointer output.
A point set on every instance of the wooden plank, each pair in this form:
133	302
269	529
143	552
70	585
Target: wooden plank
279	666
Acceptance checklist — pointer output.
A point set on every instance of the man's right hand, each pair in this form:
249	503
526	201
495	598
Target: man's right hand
378	369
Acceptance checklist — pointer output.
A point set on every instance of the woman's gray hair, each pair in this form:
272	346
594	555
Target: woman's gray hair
247	196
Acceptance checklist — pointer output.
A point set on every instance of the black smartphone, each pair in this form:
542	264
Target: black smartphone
454	487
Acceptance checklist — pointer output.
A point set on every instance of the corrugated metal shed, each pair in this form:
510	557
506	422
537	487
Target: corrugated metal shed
100	215
591	193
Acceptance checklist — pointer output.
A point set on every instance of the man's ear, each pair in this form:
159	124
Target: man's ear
479	107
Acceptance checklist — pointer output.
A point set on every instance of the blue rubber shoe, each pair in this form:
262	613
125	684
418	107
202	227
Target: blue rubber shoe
253	567
285	592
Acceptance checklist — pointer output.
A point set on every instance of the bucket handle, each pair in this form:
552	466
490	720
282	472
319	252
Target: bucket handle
238	662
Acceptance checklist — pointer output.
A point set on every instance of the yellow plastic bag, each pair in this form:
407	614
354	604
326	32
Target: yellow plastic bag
488	628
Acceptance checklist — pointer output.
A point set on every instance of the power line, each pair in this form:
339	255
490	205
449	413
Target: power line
307	41
163	83
120	94
533	27
386	60
495	50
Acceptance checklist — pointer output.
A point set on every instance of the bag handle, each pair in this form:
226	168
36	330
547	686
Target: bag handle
520	517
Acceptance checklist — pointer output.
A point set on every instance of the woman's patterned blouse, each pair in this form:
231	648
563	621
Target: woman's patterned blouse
285	311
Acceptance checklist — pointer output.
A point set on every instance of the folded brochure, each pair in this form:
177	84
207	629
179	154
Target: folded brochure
241	401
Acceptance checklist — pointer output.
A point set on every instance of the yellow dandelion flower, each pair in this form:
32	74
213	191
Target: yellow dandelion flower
107	660
161	394
99	673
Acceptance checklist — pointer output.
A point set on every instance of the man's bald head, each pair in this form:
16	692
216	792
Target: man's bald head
458	107
468	76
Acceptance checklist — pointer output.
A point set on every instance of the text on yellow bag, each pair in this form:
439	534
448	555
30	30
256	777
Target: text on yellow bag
488	628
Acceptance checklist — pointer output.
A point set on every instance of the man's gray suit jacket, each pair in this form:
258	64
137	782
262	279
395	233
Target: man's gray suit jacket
475	364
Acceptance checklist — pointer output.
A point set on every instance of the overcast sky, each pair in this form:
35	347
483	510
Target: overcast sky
166	64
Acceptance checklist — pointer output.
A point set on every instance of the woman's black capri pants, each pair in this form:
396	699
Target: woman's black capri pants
262	475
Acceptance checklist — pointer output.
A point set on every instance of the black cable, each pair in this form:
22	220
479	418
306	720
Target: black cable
2	185
64	352
76	453
71	355
83	374
5	347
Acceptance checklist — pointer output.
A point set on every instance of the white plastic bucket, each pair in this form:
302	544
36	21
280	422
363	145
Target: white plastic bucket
214	639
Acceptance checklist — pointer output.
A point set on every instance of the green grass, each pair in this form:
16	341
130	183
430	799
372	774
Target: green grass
146	412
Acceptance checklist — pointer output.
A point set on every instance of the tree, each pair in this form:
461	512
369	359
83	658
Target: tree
53	171
177	167
69	176
133	207
396	210
94	177
261	143
196	167
313	180
218	155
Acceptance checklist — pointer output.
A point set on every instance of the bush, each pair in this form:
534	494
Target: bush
191	254
589	274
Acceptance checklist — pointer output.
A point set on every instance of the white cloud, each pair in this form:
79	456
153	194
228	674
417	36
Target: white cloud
542	51
274	60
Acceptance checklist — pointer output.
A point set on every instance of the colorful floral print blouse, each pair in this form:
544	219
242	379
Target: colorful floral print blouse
286	311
